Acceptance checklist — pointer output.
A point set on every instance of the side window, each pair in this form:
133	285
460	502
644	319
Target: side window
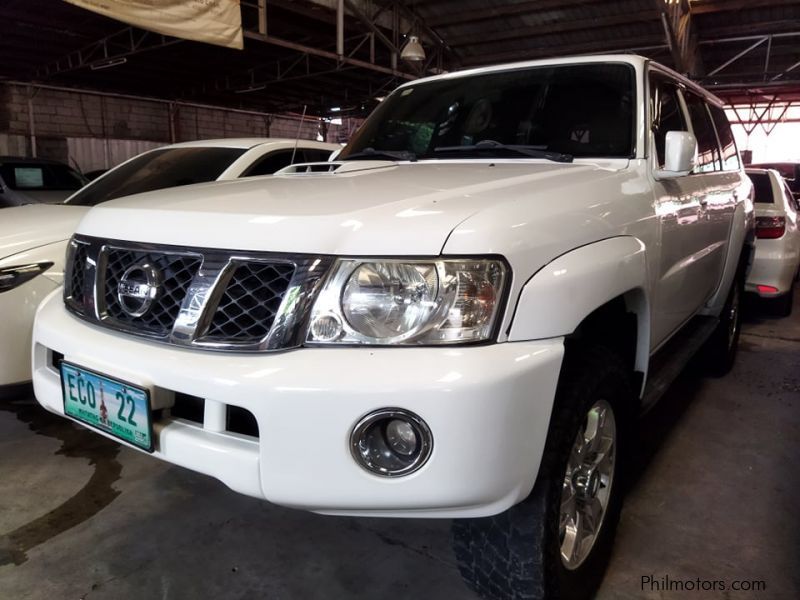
268	164
667	114
707	149
790	197
730	154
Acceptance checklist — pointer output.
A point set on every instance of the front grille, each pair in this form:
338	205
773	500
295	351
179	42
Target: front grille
251	300
214	299
177	273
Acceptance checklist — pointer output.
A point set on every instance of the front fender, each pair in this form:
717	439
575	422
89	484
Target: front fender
558	297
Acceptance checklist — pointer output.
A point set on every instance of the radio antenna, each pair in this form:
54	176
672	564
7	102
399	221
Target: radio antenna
299	131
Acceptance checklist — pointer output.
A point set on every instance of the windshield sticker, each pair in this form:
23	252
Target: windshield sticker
28	177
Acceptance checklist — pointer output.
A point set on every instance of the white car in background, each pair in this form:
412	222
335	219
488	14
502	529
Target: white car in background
33	237
777	257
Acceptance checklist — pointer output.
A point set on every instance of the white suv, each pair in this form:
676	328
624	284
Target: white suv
459	318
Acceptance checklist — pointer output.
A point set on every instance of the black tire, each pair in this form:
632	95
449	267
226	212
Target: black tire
719	352
516	555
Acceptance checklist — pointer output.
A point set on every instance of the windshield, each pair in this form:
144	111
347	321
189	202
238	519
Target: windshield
31	176
157	170
582	110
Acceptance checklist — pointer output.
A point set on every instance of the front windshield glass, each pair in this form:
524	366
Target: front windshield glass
156	170
584	110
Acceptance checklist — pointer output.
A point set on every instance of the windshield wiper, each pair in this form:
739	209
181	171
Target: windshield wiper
532	151
370	152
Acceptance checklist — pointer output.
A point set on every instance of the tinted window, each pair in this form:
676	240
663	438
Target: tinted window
762	188
157	170
667	114
40	176
274	161
707	150
789	171
583	110
730	155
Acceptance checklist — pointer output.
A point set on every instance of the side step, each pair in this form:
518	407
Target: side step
672	358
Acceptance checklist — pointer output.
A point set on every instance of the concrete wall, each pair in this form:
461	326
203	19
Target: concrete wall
59	115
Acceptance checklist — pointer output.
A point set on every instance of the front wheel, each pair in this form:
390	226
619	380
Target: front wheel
719	351
556	543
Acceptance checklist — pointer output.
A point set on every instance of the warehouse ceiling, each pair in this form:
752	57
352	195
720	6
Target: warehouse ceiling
740	48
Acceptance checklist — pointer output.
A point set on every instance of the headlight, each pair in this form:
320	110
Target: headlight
11	277
389	302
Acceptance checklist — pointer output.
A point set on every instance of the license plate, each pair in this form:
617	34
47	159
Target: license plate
110	405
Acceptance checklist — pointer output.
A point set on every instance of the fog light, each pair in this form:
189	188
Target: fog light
391	442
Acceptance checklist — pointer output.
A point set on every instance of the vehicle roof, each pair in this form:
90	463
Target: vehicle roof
635	60
30	160
247	143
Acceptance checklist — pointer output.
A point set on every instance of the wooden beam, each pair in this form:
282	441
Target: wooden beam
562	26
521	8
716	6
275	41
615	45
749	29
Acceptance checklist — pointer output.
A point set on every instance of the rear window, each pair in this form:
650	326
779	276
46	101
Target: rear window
789	171
763	188
23	176
156	170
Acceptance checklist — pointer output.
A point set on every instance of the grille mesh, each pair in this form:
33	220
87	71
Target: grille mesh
78	274
177	272
232	301
251	300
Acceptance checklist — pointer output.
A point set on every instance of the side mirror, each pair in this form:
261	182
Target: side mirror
680	155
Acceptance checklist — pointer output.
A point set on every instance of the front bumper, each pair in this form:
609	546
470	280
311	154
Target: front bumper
17	310
488	408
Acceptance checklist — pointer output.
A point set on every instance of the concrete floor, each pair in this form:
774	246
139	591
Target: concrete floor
715	497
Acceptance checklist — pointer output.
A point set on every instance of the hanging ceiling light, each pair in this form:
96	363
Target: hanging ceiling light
413	50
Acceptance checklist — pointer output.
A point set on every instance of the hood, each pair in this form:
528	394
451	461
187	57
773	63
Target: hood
26	227
373	208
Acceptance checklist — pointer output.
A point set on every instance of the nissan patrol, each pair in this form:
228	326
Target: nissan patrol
460	317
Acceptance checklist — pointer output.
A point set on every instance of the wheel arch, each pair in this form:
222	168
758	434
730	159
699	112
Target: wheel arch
597	293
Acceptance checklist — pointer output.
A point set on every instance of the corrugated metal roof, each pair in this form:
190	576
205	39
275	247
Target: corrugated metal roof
475	32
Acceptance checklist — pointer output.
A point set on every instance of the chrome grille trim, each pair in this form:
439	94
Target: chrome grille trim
192	326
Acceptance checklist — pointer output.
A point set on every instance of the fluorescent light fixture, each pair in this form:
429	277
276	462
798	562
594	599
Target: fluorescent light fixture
252	88
105	64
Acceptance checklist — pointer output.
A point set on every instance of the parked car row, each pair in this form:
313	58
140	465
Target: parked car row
776	264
